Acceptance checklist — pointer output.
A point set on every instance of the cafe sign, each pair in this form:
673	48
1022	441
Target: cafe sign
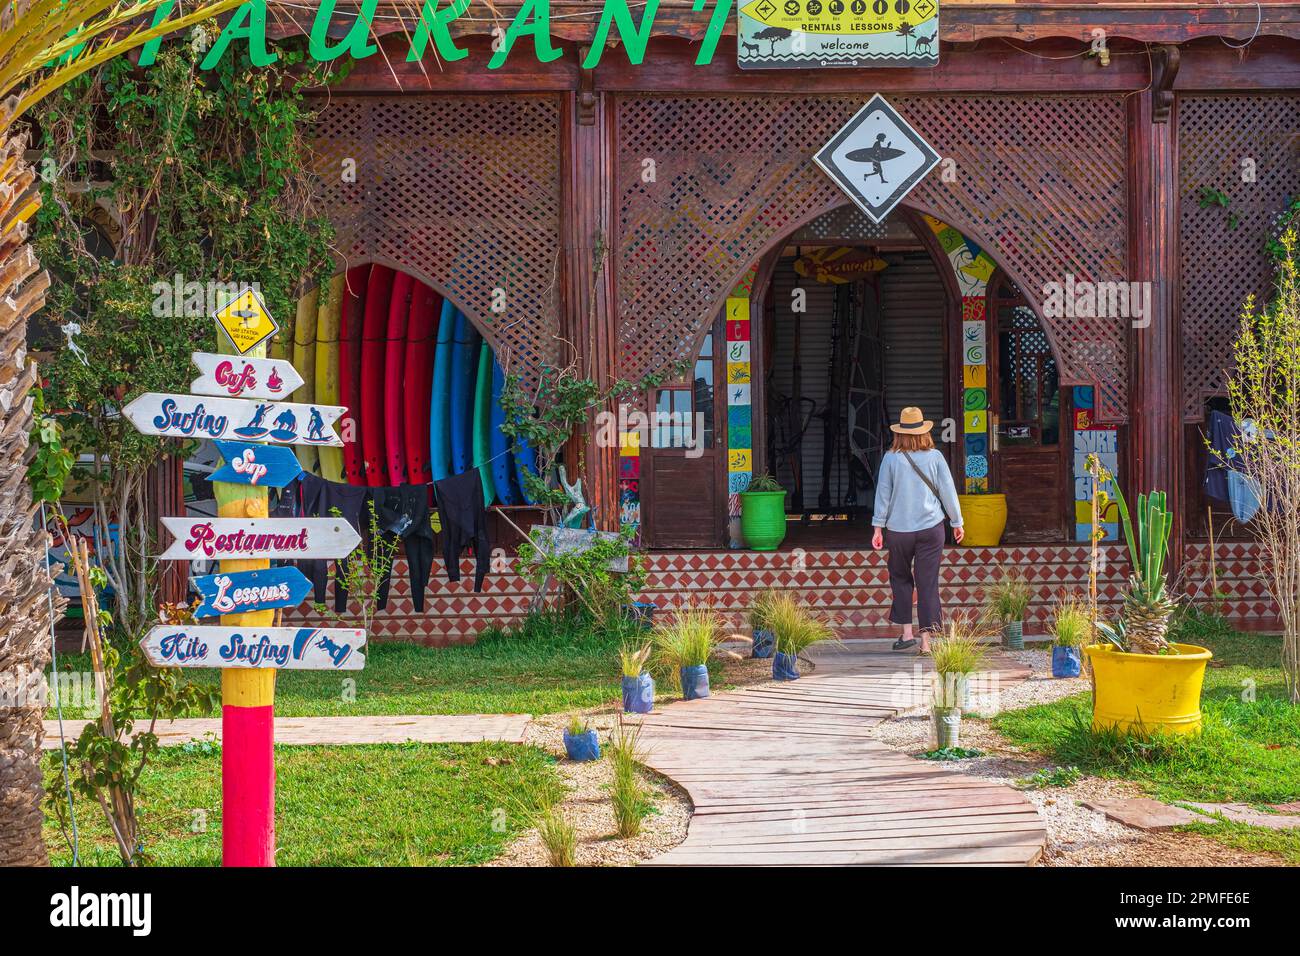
806	34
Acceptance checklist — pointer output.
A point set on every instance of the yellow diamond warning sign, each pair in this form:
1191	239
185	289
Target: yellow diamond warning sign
246	321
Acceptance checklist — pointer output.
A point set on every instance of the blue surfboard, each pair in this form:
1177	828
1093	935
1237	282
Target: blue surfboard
464	361
262	466
237	592
439	414
503	476
525	461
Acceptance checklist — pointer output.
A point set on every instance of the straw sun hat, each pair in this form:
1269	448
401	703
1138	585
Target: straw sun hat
911	421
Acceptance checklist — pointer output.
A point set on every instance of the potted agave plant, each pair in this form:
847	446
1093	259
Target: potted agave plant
1007	600
957	654
684	644
762	513
580	741
762	641
1071	629
795	629
1141	680
638	686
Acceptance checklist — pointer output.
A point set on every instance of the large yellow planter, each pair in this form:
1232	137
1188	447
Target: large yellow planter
1148	692
984	519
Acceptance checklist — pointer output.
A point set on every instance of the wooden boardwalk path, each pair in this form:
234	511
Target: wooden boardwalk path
787	774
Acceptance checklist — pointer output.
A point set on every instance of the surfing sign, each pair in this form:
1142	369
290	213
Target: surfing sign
237	592
202	539
187	416
285	648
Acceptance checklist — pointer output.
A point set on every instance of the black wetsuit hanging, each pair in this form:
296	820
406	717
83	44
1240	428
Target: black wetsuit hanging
403	513
464	522
318	499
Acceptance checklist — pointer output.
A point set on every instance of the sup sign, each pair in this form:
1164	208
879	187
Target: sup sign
804	34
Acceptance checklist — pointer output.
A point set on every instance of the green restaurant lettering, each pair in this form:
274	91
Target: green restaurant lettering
248	23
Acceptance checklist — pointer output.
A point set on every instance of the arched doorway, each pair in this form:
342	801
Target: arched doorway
840	325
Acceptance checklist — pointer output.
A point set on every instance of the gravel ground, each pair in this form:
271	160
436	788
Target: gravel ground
1076	836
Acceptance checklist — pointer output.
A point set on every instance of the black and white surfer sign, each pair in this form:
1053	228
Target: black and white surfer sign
877	158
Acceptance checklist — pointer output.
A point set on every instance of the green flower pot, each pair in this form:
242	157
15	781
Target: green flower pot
762	519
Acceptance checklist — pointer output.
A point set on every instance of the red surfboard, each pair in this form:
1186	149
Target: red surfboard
353	318
378	293
399	312
421	328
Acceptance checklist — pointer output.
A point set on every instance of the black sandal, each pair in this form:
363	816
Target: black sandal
903	644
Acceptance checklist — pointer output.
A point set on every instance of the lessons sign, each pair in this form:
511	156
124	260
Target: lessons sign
804	34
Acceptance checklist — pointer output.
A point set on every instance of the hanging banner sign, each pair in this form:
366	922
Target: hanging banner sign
807	34
233	376
263	466
246	321
286	648
838	265
187	416
202	539
237	592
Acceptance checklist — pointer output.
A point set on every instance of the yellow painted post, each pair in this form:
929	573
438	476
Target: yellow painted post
247	704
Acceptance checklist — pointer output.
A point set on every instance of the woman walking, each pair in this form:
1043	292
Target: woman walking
913	494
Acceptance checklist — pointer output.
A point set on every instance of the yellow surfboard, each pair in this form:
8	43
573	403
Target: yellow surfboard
304	360
326	381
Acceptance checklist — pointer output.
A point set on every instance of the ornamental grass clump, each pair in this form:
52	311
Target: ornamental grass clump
761	610
795	627
559	837
632	659
957	653
627	795
1071	623
1007	598
688	639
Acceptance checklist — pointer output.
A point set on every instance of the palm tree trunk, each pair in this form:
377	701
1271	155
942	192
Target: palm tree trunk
24	596
24	600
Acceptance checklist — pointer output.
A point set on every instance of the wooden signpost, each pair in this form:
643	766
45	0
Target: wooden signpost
284	648
188	416
245	591
234	376
241	407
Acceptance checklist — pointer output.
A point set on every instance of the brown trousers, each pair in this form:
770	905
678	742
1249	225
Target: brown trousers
914	566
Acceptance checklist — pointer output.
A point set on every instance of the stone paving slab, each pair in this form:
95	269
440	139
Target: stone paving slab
1143	813
425	729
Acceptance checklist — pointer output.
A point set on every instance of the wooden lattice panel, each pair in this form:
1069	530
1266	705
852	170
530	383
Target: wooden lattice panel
1222	141
733	174
463	192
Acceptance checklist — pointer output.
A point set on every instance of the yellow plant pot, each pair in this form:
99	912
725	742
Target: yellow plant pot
1148	692
984	519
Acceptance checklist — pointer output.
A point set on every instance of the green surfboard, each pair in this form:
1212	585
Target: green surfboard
483	422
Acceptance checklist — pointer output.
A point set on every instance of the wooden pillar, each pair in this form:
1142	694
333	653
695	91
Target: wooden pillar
1155	447
587	303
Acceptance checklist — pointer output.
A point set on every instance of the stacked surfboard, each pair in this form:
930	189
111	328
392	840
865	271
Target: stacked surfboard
421	385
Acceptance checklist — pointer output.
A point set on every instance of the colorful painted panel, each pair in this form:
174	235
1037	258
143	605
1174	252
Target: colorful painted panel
1102	441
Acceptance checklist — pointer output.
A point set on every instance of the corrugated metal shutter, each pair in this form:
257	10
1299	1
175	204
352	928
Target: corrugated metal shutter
814	361
913	302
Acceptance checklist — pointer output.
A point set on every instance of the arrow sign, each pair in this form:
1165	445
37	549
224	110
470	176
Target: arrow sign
200	539
189	416
236	592
265	466
287	648
232	376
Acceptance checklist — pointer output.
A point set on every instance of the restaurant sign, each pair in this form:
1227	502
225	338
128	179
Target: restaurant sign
806	34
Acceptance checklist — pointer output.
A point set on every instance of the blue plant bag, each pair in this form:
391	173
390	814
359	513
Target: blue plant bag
583	746
642	612
695	682
638	694
785	666
1066	662
764	643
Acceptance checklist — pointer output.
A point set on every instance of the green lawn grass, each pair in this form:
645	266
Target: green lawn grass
380	805
1247	752
545	665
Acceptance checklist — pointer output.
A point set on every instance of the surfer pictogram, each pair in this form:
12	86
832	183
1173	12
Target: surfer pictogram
877	155
316	426
255	428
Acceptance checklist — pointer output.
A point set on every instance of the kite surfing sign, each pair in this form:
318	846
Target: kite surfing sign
808	34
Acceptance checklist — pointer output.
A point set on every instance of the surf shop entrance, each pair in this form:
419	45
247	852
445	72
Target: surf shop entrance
849	322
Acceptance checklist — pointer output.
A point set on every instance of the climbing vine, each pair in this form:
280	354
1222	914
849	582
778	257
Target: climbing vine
163	189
